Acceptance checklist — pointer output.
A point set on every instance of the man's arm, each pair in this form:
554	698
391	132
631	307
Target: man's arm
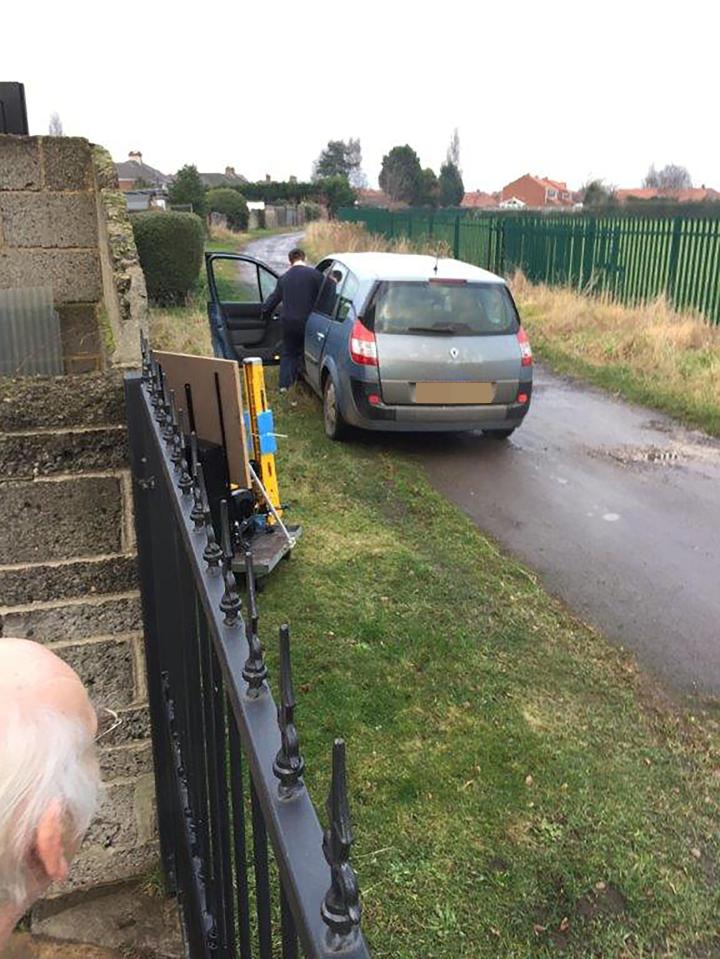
274	300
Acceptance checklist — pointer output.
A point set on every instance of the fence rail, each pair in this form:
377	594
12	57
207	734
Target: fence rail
632	259
254	873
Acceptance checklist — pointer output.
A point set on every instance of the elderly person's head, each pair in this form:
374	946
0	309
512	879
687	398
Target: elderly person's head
49	777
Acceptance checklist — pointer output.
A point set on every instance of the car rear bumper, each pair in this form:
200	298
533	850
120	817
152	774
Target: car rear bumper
416	418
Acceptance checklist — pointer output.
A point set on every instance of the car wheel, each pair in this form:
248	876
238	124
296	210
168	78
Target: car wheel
335	426
499	434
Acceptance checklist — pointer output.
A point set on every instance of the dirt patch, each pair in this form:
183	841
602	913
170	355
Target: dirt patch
604	900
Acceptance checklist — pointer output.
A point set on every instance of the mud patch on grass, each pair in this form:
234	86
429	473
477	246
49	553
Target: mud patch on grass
604	900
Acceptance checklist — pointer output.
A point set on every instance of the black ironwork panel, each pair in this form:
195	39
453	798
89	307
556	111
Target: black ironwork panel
240	840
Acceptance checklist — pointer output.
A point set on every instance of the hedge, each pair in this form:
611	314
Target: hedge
231	204
170	246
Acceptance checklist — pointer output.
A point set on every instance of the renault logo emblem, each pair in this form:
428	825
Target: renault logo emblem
454	352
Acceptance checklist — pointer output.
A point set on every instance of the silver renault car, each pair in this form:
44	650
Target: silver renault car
410	342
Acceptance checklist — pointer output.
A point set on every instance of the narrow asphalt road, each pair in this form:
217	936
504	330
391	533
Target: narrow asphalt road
616	507
274	250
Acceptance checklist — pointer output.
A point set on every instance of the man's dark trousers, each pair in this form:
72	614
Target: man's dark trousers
291	352
297	290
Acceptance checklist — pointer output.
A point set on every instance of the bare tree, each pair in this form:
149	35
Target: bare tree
453	151
671	177
651	180
55	128
356	174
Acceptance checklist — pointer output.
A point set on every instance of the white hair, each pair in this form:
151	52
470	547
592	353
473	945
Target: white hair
44	757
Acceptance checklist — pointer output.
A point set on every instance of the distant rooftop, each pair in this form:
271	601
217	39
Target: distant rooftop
478	199
134	169
690	195
228	178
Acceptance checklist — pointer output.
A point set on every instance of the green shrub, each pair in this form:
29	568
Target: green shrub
170	247
231	204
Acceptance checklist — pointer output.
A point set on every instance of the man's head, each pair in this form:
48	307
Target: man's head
296	256
49	776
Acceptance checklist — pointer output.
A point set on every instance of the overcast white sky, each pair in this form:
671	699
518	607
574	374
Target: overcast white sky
566	90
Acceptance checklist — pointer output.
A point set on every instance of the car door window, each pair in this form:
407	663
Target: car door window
329	291
267	282
240	281
346	296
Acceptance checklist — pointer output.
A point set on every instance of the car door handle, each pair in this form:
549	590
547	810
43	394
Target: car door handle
320	336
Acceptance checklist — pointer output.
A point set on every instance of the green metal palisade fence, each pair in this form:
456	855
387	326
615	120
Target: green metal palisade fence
628	258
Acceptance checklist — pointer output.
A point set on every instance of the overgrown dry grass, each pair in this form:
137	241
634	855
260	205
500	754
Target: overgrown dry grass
647	353
182	329
334	236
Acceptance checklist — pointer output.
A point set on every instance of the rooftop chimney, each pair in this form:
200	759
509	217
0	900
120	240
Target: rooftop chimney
135	156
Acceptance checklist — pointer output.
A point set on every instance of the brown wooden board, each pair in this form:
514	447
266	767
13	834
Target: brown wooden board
454	393
199	372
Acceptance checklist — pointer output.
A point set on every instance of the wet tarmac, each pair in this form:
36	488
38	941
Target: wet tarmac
616	507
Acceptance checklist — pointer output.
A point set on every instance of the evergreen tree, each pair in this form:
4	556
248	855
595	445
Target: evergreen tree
187	187
450	185
401	174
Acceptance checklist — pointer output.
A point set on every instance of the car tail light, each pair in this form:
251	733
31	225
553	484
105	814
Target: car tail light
525	351
363	348
374	399
522	398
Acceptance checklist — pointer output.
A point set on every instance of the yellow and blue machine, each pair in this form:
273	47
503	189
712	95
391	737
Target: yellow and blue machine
261	440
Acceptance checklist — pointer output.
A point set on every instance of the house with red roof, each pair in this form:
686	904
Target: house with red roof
536	192
479	200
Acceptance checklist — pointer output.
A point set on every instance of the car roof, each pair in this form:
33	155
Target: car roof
412	266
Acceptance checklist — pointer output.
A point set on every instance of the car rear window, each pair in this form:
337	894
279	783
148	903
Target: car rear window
442	308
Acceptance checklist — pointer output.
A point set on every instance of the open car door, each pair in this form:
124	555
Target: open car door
237	286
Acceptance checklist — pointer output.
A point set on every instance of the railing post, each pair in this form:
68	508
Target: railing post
672	279
341	907
456	237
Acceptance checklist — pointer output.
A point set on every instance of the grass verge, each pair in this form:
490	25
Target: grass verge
517	788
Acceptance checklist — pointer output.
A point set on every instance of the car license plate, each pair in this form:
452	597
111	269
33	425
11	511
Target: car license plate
445	393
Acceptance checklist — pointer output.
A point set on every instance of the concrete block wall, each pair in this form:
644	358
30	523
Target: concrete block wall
68	574
68	578
63	223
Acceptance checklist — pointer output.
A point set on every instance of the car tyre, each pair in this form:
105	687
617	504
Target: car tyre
499	434
335	426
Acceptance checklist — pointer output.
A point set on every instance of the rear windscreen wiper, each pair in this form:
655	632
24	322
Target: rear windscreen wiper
443	330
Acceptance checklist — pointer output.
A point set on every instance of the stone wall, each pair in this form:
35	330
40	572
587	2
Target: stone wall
68	573
63	222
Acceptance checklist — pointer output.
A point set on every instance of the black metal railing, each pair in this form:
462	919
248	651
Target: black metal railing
240	840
